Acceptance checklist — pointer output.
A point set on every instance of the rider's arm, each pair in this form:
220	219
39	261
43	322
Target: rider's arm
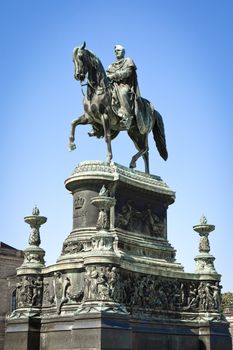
122	74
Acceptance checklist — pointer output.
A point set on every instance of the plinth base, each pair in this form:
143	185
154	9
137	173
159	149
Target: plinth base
103	331
117	284
23	334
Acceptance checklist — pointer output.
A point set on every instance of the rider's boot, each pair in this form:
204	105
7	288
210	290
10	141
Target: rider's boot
92	133
95	131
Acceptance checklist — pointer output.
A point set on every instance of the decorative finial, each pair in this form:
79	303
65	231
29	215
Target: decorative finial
203	220
35	211
34	255
104	191
204	260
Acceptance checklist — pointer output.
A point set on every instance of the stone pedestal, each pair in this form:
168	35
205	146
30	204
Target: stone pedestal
23	332
117	284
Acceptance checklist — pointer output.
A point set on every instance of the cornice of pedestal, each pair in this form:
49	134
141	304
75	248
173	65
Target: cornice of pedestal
99	170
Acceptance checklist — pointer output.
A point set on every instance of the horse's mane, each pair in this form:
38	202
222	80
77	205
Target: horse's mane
95	61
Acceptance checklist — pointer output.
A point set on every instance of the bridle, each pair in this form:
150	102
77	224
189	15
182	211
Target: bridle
96	88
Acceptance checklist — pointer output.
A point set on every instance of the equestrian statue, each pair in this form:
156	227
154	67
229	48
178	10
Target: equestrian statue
113	103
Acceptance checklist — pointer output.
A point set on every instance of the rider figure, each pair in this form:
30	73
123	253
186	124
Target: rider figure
123	77
122	74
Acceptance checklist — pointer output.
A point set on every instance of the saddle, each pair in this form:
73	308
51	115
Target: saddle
142	111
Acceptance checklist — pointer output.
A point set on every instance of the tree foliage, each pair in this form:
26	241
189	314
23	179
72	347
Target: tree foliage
227	299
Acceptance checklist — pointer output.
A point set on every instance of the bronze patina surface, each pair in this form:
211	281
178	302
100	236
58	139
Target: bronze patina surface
113	103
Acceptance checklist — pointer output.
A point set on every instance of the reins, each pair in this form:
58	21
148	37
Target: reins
82	87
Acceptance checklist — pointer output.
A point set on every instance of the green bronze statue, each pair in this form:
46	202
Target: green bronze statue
123	76
112	103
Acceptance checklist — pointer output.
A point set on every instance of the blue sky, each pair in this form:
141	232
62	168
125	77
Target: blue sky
184	53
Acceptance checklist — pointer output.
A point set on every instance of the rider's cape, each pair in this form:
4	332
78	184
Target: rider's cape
142	109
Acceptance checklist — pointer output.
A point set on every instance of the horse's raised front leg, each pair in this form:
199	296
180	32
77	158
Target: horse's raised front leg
83	120
107	135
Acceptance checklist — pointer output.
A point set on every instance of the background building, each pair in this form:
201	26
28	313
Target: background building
227	303
10	259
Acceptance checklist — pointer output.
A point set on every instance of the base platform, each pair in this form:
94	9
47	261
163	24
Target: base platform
117	284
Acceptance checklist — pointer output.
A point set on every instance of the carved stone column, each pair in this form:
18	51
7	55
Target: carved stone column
204	260
101	262
34	255
30	280
103	242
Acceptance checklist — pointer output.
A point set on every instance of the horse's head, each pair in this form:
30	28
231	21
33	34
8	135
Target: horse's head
86	63
80	62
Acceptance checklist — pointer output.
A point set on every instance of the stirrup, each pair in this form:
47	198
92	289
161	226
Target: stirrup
126	122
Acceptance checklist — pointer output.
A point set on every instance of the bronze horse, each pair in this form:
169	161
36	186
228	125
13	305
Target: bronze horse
101	115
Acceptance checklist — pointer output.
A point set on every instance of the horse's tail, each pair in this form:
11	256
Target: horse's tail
159	135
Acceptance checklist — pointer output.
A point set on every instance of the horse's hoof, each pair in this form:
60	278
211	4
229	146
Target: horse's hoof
72	146
132	165
109	158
